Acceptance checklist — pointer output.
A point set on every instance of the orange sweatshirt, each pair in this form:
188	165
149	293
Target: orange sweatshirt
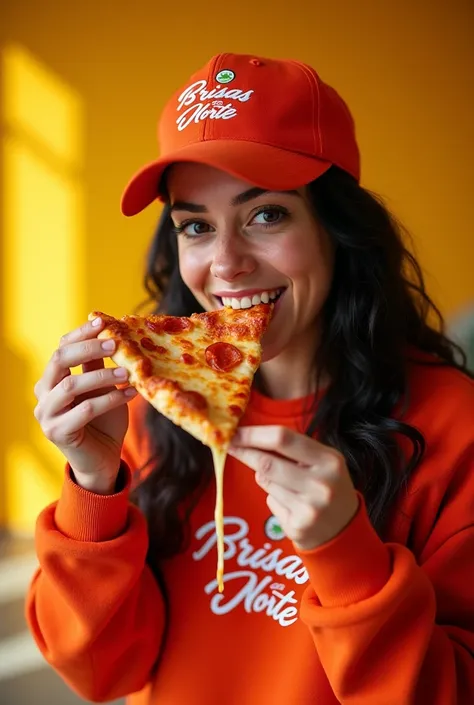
357	621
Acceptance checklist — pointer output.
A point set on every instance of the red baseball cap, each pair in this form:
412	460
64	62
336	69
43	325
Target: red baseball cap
270	122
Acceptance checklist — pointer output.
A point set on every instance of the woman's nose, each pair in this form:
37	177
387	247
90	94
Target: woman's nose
231	258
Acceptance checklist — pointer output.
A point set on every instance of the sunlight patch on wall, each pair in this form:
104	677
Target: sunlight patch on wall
40	278
40	105
43	257
31	487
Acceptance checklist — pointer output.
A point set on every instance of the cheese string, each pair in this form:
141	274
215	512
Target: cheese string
219	457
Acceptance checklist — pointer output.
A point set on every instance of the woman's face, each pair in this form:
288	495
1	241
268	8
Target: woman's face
239	245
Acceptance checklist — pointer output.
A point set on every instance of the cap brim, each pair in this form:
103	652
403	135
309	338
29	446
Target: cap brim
261	165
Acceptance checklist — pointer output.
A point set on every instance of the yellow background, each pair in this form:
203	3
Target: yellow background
81	87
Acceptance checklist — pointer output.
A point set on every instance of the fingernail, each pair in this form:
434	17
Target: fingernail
120	372
130	392
108	345
96	322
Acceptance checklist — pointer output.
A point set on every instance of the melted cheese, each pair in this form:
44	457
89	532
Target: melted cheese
219	457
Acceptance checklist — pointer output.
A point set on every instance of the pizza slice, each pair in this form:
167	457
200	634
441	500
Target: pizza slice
197	372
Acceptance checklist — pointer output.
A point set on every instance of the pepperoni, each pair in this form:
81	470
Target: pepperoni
148	344
132	348
235	410
176	325
168	324
118	327
185	344
187	359
223	357
193	400
154	325
146	368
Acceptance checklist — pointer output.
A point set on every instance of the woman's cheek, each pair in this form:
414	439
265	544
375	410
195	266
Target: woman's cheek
310	255
290	257
195	273
190	266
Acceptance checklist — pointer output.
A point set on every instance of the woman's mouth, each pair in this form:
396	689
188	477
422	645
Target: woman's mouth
263	297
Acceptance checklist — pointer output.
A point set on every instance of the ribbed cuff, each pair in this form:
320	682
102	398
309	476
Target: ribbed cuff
85	516
352	567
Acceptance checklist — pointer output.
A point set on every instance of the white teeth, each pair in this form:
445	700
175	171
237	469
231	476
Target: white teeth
247	301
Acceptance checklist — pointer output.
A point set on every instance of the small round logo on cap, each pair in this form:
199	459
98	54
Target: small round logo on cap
225	76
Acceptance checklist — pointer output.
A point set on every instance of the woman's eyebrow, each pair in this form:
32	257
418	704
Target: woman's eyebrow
238	200
186	206
255	192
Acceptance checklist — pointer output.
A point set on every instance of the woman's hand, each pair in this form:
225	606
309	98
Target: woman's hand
309	487
85	415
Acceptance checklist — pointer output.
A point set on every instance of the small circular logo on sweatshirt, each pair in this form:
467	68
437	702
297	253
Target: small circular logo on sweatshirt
273	529
225	76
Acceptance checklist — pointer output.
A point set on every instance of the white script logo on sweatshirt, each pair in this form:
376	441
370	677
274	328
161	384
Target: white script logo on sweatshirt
268	594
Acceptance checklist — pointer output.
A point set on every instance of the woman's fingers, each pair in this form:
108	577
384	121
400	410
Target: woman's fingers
295	513
271	468
72	387
274	470
72	355
87	330
278	509
284	441
256	442
58	367
63	430
295	516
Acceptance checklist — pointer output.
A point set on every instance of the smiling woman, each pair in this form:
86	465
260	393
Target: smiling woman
349	487
236	241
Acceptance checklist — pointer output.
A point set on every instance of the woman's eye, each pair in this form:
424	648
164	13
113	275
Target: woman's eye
269	216
192	228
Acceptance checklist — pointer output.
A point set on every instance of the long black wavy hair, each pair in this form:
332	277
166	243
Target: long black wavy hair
377	314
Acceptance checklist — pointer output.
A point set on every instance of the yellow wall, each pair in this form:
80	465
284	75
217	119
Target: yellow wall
82	85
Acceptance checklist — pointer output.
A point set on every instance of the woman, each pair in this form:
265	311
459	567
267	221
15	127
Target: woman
349	571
